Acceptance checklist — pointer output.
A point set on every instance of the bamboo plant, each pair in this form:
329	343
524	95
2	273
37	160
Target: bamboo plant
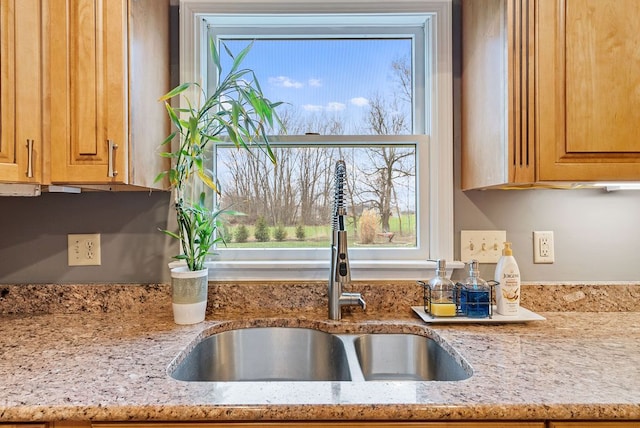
236	111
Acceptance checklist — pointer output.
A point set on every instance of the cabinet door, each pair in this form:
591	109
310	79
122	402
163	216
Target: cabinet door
20	92
594	424
23	425
87	77
498	122
315	424
589	90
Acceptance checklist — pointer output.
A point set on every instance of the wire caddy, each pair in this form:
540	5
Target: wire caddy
469	302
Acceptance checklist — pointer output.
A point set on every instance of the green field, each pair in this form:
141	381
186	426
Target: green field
320	236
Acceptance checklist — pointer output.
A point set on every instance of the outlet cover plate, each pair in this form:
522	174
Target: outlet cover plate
84	249
484	246
543	251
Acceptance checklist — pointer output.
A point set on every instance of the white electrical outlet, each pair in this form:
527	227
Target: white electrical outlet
543	247
484	246
84	249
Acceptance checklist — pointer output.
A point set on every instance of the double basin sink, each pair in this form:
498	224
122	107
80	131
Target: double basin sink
304	354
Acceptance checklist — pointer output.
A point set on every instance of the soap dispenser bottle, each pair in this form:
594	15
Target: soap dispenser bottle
441	301
508	288
475	294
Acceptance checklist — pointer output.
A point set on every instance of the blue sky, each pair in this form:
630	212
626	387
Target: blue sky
323	75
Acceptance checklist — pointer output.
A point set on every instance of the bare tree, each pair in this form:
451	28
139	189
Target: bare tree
313	182
299	189
319	123
295	190
385	117
385	166
401	75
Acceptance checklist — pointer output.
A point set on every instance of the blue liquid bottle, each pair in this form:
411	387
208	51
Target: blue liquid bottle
475	295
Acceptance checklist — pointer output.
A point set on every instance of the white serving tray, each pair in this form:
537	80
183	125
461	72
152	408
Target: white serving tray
524	315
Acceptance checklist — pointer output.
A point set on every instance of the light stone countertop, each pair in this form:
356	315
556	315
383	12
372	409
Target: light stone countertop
113	366
101	352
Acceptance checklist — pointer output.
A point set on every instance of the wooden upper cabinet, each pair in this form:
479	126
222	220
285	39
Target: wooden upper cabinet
498	92
20	92
589	89
107	63
550	91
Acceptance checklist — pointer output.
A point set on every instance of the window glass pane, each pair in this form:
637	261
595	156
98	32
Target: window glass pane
290	205
334	86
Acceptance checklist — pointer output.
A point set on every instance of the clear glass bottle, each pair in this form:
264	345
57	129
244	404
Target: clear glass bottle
475	295
441	292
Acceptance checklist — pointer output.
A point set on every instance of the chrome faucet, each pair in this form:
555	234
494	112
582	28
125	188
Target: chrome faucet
340	272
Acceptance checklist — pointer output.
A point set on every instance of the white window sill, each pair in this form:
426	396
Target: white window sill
319	270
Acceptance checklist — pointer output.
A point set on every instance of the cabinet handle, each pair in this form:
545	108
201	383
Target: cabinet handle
29	158
112	147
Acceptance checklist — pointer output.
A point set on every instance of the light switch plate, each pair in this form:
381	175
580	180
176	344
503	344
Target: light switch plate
482	245
84	249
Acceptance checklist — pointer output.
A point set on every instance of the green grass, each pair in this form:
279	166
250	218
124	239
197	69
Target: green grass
279	244
320	236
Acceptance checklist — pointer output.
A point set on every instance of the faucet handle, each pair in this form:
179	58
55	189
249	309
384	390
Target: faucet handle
362	303
347	299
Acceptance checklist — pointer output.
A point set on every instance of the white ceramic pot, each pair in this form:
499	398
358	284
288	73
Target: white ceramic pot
189	294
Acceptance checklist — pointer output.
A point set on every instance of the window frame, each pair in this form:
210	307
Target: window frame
193	36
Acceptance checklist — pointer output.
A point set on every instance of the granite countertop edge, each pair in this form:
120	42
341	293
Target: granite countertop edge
316	412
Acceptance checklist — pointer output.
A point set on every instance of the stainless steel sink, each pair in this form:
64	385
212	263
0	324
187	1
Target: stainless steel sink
266	354
302	354
405	357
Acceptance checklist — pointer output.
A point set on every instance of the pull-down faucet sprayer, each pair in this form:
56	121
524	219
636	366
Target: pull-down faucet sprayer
340	271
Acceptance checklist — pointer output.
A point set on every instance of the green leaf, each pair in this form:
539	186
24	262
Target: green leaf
235	112
228	52
215	57
173	176
175	91
198	162
201	200
173	116
168	139
208	181
271	155
160	176
212	138
170	233
193	125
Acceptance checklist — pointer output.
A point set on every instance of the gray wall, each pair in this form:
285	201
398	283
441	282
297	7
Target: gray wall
597	236
33	237
596	233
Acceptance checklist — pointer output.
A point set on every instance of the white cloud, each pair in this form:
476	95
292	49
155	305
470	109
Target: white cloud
332	106
335	106
359	101
315	83
285	82
312	107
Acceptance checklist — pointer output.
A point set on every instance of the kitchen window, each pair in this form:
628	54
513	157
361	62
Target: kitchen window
367	83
